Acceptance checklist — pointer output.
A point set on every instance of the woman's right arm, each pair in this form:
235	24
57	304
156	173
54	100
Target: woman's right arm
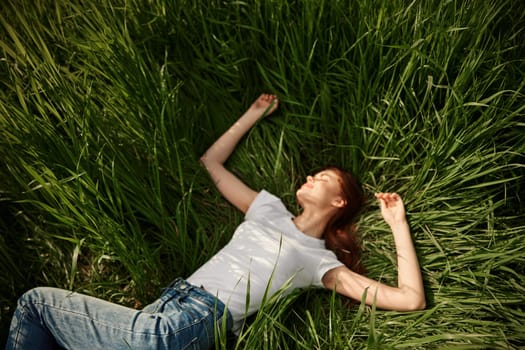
409	293
229	185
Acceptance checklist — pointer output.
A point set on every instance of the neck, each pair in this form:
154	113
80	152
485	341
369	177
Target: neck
311	223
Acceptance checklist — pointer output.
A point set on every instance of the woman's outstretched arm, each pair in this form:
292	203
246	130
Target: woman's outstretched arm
409	294
230	186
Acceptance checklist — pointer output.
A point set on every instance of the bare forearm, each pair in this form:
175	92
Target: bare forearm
409	273
224	146
231	187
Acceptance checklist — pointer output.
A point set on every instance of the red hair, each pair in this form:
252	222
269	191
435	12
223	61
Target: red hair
340	233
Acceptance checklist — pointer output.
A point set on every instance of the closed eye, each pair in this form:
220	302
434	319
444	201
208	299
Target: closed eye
321	177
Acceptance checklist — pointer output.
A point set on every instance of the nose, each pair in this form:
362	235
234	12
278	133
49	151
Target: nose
309	179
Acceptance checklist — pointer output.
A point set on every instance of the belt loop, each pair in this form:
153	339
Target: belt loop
173	285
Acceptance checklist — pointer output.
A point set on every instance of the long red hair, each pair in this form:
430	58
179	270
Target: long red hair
340	233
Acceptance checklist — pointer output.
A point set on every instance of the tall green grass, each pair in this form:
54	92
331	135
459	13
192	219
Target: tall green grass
106	106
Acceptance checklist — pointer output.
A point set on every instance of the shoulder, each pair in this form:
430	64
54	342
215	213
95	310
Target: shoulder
339	276
266	202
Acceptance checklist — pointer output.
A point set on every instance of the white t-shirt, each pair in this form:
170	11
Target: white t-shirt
266	251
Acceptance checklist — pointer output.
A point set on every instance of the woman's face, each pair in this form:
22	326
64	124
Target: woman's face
321	190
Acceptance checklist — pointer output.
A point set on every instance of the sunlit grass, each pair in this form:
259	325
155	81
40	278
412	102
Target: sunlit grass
105	108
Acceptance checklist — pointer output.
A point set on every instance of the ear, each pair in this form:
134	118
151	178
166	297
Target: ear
339	202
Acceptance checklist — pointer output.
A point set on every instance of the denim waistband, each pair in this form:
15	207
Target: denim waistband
184	287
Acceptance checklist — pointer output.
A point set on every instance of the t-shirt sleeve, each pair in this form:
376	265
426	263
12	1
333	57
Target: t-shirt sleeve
263	204
326	263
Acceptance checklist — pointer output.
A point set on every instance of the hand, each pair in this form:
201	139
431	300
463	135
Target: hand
266	104
392	208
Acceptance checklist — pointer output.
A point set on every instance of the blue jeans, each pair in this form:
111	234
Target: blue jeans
184	317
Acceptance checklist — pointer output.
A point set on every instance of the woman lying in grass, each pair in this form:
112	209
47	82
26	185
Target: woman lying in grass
271	251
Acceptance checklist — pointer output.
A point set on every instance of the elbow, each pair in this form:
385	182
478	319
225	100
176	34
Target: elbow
205	161
209	164
420	306
411	300
417	303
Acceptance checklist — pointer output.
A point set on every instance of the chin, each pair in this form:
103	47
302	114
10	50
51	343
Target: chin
298	197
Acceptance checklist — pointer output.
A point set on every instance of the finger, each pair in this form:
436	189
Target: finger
393	197
387	199
381	195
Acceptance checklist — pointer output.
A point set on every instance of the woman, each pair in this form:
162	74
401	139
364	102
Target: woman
271	251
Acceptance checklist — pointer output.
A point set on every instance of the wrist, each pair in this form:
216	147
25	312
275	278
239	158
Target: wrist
397	223
251	116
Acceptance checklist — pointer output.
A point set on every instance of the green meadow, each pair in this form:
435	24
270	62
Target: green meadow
107	105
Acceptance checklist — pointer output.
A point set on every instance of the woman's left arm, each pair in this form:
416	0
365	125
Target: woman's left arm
231	187
409	294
